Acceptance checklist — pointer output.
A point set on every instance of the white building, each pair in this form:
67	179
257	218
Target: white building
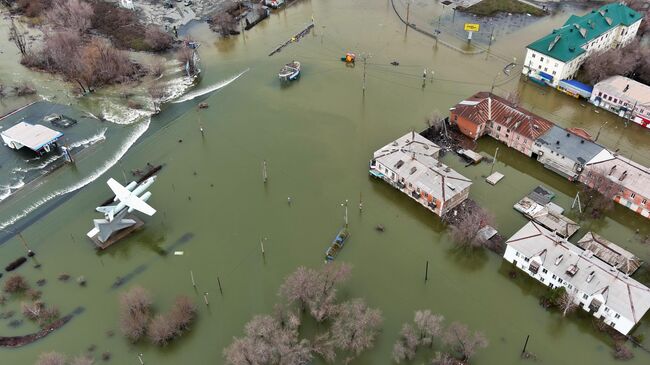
598	287
411	165
628	98
559	55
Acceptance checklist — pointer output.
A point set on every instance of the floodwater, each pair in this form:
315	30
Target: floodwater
317	135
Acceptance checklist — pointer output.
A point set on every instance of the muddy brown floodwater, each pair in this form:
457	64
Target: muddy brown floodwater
317	136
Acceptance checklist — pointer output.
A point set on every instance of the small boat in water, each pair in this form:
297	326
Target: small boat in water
290	71
336	245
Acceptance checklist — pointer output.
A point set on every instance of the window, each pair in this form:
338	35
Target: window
553	72
544	271
606	310
584	296
570	286
617	316
560	280
517	254
533	55
545	69
644	201
541	59
554	277
632	195
526	259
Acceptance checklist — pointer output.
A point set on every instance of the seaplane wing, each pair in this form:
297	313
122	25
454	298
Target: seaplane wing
125	196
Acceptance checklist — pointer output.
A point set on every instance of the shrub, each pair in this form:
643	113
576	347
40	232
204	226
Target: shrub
51	358
15	284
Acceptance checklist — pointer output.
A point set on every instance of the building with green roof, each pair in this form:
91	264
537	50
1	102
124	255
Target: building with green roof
559	55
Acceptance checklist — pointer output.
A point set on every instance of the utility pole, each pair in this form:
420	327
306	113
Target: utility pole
494	160
365	58
494	82
30	253
599	129
408	11
487	54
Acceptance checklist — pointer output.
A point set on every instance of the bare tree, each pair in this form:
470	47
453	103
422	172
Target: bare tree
224	23
15	284
265	342
617	61
24	89
82	360
315	290
161	330
425	328
444	359
566	302
322	300
355	326
463	341
32	311
406	345
156	39
71	15
428	325
135	311
18	37
51	358
466	226
598	192
182	314
622	352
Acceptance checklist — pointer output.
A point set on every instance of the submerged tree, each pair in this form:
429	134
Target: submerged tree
266	342
355	326
18	37
565	301
15	284
315	290
465	343
425	328
598	193
135	312
51	358
464	231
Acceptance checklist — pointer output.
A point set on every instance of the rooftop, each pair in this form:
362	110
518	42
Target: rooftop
620	85
483	107
565	44
612	254
570	145
625	172
550	219
621	293
414	158
33	136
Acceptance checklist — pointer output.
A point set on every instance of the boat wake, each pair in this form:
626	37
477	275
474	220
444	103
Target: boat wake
212	88
100	136
137	132
123	115
6	190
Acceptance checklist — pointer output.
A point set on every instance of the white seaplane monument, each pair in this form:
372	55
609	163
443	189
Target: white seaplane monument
118	221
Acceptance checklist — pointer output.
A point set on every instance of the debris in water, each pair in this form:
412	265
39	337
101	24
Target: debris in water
380	228
180	141
64	277
16	263
179	253
203	105
81	280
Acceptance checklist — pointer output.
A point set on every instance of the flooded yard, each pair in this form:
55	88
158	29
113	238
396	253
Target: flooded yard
317	135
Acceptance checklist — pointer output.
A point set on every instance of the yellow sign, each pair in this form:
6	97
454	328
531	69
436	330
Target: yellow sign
472	27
